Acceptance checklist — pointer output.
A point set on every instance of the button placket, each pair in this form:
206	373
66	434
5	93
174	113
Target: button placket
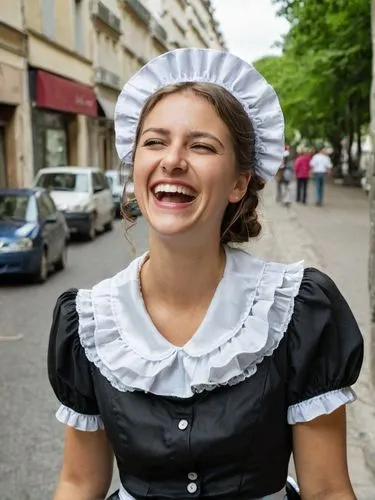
183	424
192	488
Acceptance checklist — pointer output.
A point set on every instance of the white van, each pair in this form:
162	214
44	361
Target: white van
82	194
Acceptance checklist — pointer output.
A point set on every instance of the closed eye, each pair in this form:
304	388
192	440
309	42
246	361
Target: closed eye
205	147
153	142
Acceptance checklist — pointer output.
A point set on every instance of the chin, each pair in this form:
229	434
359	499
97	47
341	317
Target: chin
169	230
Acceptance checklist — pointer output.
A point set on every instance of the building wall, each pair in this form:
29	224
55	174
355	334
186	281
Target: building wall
59	42
15	135
107	75
191	23
203	29
53	39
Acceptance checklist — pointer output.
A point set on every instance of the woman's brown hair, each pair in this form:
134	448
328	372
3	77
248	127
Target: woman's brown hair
240	221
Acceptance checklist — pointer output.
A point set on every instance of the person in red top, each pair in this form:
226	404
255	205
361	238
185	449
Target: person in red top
302	171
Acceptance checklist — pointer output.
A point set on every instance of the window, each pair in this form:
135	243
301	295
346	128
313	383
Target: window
99	182
48	18
64	181
46	205
78	26
18	208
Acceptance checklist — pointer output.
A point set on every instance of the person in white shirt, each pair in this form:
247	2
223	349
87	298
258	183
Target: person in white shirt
320	165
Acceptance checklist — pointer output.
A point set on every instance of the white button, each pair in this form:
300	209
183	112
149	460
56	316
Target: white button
182	424
193	476
192	487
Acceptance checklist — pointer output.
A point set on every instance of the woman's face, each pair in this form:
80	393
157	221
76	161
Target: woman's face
184	168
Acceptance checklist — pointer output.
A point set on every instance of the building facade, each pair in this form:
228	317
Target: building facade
15	137
106	34
191	23
63	64
62	96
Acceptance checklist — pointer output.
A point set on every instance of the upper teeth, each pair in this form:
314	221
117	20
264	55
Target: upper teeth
173	188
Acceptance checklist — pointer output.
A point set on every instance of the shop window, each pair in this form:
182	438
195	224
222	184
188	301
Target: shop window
50	137
56	150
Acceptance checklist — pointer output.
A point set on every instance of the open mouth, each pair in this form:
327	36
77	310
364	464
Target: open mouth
172	193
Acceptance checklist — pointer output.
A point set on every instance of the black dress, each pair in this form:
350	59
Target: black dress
212	419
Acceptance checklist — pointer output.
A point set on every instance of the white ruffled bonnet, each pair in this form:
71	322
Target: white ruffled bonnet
238	77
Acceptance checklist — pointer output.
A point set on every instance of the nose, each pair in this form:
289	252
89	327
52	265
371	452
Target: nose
173	161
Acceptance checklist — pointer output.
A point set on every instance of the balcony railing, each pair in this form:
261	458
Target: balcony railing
158	32
100	11
139	10
105	77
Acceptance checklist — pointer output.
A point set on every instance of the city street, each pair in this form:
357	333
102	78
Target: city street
333	238
31	439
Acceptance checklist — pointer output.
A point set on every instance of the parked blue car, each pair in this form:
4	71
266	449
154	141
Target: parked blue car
33	233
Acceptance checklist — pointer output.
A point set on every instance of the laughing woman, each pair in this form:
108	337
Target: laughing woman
199	367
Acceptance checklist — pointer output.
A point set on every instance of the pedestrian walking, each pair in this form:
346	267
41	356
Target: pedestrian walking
302	173
200	367
320	165
284	177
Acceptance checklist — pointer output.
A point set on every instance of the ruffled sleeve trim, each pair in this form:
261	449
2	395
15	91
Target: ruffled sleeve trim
79	421
245	322
324	404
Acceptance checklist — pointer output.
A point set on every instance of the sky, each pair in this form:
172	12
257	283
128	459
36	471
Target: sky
250	27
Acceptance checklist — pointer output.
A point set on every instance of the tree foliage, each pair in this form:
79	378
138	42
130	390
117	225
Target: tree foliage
324	74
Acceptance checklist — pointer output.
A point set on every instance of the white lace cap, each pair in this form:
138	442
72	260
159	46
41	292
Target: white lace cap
238	77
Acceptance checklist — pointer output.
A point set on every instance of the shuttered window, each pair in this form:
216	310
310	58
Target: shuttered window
48	17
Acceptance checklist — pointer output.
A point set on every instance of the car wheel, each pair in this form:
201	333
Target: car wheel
42	273
91	233
61	263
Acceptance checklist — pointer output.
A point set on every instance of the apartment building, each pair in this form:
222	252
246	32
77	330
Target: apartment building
202	28
63	64
144	36
14	105
63	99
106	34
191	23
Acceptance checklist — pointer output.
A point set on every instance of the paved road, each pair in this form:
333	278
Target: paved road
30	438
335	239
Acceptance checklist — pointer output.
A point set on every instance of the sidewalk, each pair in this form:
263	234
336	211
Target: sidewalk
333	238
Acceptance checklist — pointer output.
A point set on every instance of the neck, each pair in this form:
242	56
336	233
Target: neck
182	276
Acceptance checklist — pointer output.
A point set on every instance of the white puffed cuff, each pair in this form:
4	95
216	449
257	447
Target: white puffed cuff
81	422
324	404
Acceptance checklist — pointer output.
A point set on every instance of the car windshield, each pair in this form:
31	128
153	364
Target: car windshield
64	181
115	178
16	207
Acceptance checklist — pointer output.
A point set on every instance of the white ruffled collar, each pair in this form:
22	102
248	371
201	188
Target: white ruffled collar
245	321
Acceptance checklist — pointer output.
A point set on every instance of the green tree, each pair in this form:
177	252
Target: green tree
323	76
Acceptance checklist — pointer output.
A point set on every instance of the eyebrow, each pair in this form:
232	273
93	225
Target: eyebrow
192	135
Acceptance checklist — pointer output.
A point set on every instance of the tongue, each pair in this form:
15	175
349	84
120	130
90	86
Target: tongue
176	198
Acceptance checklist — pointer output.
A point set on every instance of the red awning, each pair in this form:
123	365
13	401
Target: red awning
58	93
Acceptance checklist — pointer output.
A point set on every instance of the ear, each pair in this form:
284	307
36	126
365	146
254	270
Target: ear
239	189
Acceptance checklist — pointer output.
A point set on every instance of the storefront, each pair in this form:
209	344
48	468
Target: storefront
106	153
10	99
61	109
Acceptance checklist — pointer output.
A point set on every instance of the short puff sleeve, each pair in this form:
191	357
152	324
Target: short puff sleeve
69	370
325	349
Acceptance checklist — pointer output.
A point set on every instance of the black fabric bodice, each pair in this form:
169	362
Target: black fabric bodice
235	439
231	437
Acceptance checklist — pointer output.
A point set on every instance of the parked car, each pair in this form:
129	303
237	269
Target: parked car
116	180
132	206
83	195
33	233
